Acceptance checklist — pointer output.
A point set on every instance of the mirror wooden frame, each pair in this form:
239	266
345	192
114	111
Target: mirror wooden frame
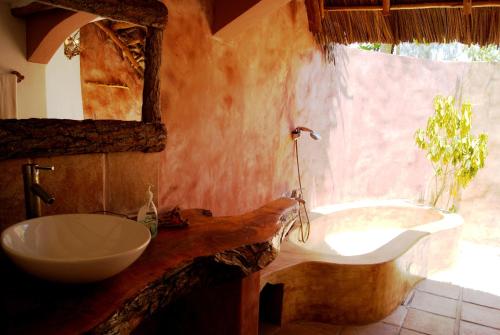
50	137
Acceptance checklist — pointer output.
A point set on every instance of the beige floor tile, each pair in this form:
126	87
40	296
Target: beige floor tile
434	304
409	332
397	317
308	328
482	315
477	266
373	329
439	288
428	323
481	298
467	328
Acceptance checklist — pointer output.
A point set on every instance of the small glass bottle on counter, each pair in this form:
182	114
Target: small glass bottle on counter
148	215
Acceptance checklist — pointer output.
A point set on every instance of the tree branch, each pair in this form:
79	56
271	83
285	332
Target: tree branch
126	51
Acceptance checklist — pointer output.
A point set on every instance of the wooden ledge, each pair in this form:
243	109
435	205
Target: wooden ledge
212	250
53	137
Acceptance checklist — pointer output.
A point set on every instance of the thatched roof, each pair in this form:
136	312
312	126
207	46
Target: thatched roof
343	21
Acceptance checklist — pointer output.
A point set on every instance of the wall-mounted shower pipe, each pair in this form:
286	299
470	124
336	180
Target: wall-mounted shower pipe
297	131
304	227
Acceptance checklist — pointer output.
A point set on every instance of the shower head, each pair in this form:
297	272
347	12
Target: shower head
314	135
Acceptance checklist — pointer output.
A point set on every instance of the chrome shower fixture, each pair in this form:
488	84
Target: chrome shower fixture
297	131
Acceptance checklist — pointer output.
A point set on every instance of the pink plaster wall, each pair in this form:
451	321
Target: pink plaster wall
380	100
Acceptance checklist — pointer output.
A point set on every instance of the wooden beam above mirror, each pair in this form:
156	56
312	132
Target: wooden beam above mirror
25	10
47	30
150	13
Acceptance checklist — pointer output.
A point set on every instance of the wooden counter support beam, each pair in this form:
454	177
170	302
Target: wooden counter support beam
211	251
423	5
249	308
230	308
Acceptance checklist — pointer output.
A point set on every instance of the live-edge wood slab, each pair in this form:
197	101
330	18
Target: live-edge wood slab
210	251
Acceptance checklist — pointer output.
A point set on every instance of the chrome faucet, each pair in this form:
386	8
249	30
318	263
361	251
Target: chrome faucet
297	196
33	192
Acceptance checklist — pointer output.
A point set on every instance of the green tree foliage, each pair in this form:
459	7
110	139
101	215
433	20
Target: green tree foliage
369	46
455	154
453	51
489	53
462	52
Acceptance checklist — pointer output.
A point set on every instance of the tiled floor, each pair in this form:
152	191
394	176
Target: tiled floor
477	267
433	308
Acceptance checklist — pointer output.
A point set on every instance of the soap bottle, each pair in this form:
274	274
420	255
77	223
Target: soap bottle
148	215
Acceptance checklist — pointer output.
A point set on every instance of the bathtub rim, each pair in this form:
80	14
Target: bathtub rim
393	249
370	203
389	251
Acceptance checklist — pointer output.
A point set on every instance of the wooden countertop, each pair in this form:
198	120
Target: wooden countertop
210	250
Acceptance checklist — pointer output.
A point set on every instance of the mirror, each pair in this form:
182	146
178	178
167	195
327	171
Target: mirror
112	70
102	67
47	137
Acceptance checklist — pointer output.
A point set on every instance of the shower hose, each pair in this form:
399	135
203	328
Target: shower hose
304	226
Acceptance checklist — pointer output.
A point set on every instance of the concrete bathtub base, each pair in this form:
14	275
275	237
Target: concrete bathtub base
333	288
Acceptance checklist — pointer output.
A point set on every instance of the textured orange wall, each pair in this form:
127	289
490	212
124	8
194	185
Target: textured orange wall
229	107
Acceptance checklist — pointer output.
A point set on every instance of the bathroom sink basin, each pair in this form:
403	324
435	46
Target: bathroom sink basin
75	248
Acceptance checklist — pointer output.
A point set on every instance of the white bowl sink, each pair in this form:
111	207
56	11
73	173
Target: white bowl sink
75	248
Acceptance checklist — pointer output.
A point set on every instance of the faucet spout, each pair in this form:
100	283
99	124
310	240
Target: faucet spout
33	191
42	194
